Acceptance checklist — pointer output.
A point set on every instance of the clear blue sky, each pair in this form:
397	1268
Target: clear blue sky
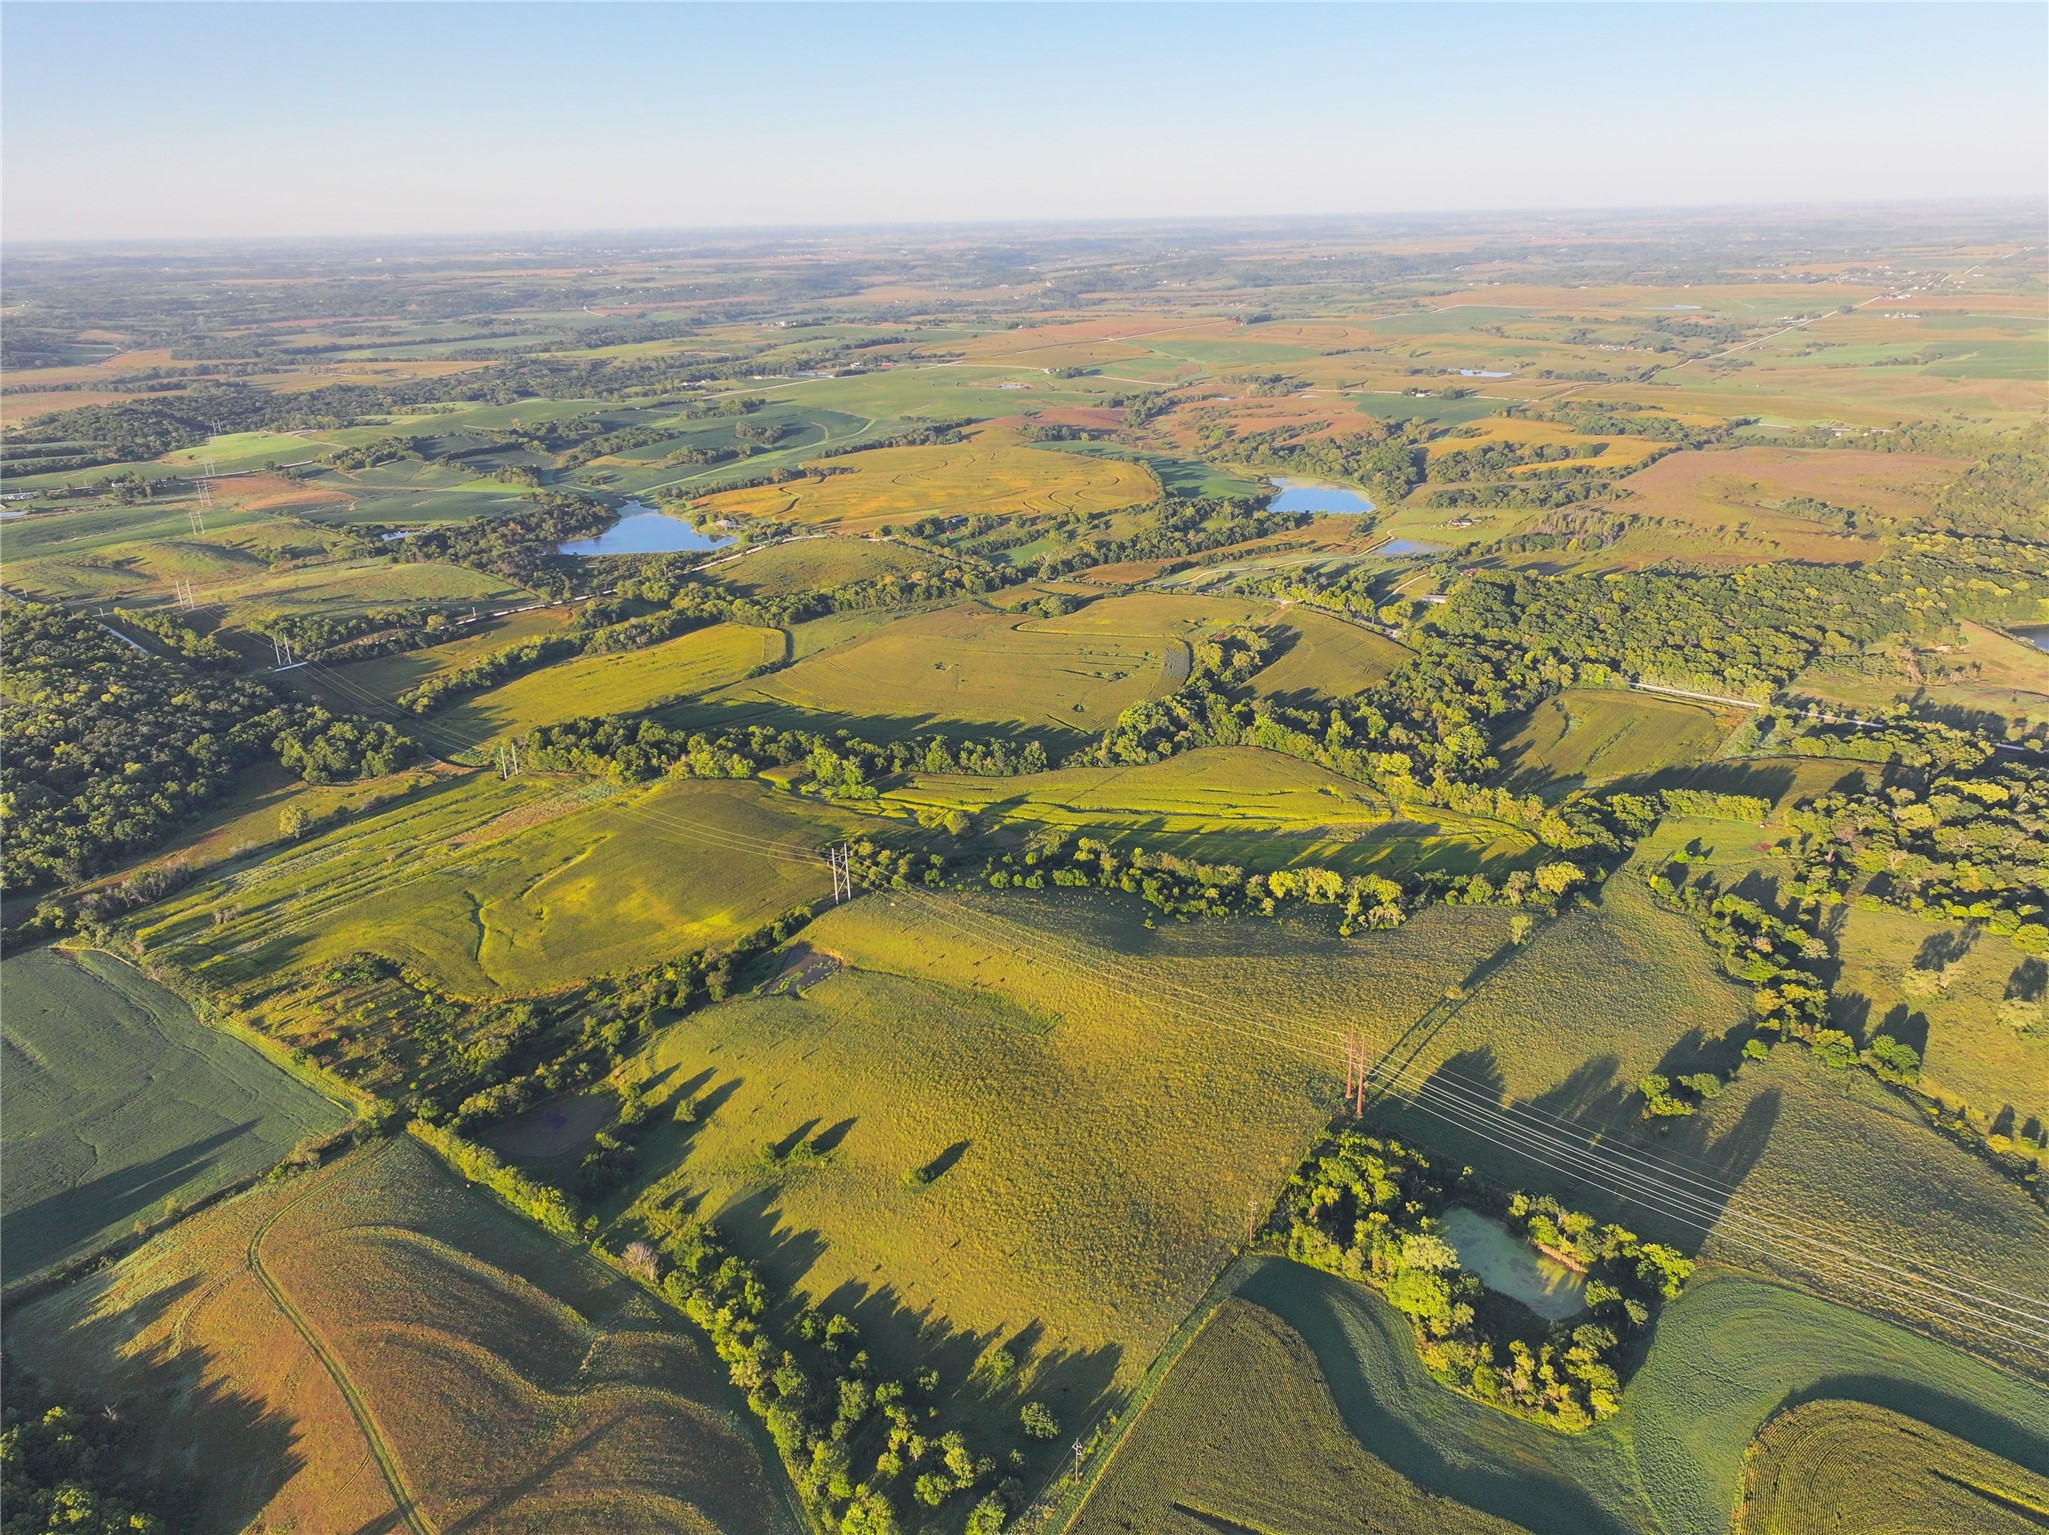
313	119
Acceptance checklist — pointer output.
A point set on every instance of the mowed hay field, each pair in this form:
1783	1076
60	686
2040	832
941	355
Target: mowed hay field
117	1102
623	683
1243	1435
1725	1358
1091	1143
1849	1466
1595	735
375	1340
493	886
817	563
1982	672
896	485
1325	657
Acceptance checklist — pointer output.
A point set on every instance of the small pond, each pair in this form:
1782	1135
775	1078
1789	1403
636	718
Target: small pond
1402	546
1506	1263
2039	638
1309	496
643	530
1482	373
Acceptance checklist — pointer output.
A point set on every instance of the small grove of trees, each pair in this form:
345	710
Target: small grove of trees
1371	1210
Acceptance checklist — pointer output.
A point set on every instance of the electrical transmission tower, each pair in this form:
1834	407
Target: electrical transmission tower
1357	1069
281	650
185	598
841	857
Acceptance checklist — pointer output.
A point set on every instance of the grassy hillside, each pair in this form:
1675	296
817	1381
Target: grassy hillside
1084	1159
1590	736
1851	1466
119	1104
378	1346
1324	657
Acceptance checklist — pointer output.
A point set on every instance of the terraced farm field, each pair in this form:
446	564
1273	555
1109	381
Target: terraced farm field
1257	807
305	1346
1848	1465
118	1104
517	885
900	485
1325	657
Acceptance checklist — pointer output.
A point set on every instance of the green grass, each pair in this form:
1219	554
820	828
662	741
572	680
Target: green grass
815	564
1243	1436
310	1353
1607	993
119	1102
1595	735
623	683
1727	1356
389	676
493	886
1092	1151
1325	657
1257	808
1851	1466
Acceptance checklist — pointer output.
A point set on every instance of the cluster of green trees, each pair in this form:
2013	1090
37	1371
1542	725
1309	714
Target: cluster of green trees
813	1388
1189	887
110	748
520	546
630	750
1970	847
60	1472
1553	490
1371	1210
1492	460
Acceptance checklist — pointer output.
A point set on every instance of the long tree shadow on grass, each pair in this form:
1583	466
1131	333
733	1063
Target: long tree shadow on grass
1992	1432
1585	1141
904	1339
44	1231
175	1400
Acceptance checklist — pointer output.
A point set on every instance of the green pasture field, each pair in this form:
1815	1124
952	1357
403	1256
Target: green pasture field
376	1345
1182	476
1089	1145
816	563
1971	1054
1982	673
385	677
1597	735
1234	804
233	452
1571	1021
119	1103
515	886
972	665
103	553
1726	1357
1325	657
1849	1465
1243	1435
626	682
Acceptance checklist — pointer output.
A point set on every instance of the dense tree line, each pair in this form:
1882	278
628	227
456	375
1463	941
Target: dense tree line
110	748
520	546
1371	1210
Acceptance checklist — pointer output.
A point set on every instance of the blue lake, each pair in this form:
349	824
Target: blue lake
2039	638
1402	546
1309	496
643	530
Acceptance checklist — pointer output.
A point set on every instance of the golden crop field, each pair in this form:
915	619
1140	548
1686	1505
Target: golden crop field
899	485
